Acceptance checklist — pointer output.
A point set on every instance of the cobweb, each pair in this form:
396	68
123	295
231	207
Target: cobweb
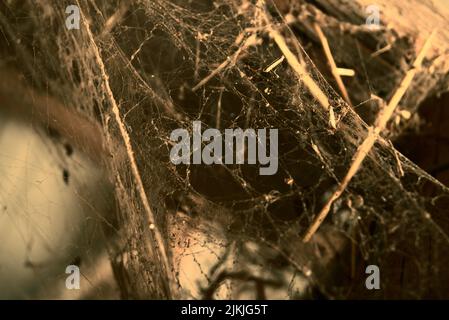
229	232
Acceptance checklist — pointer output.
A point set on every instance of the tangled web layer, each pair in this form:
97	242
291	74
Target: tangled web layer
241	232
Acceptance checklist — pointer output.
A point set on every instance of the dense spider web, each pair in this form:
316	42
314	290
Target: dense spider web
230	232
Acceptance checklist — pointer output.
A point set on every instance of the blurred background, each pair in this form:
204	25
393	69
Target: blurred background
53	202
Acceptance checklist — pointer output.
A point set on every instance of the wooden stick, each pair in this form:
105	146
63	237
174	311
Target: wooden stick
160	244
330	59
299	69
274	64
303	75
252	40
344	72
373	133
380	51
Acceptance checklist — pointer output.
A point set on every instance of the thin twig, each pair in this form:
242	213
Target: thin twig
398	161
345	72
301	72
330	59
274	64
251	41
299	69
115	18
134	168
373	134
380	51
197	56
218	117
303	75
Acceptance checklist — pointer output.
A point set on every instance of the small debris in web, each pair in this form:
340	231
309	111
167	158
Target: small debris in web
274	64
65	176
68	149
